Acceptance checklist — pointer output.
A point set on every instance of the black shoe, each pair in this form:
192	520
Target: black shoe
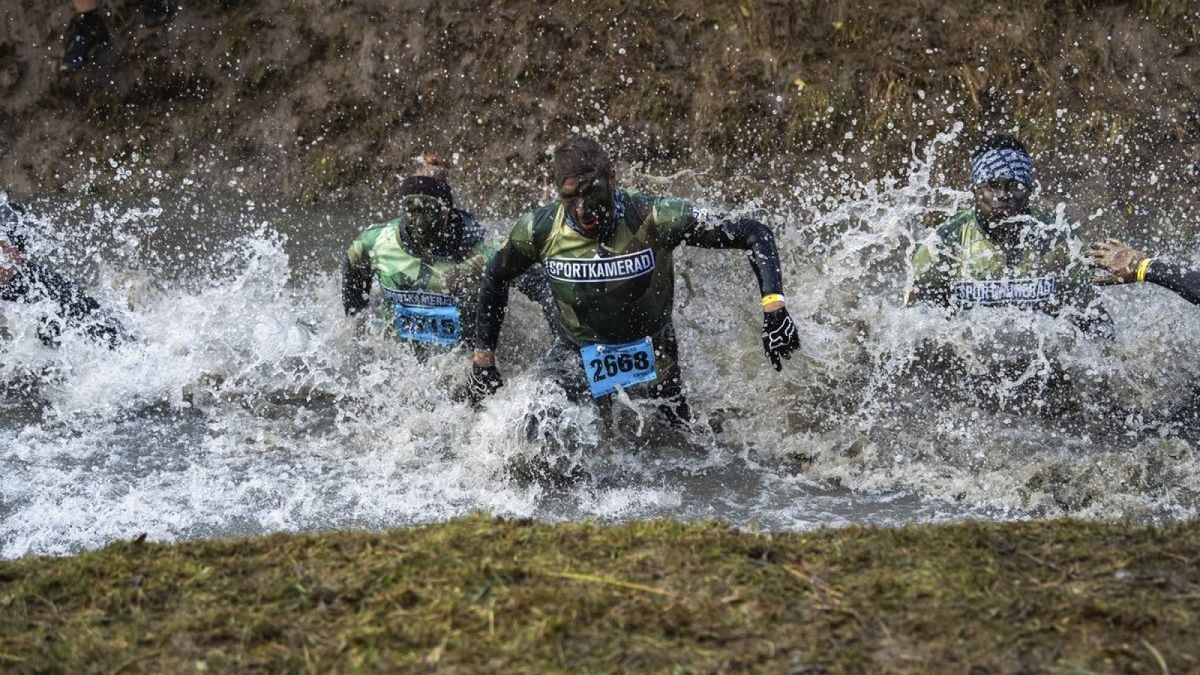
87	37
156	12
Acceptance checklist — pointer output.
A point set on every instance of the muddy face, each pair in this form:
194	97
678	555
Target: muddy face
589	200
428	223
1000	199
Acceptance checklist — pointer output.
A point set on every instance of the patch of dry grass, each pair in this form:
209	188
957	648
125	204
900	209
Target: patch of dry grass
486	595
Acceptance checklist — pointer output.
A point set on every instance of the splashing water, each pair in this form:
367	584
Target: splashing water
249	404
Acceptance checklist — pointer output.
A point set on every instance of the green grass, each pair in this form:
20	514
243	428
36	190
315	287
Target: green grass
481	595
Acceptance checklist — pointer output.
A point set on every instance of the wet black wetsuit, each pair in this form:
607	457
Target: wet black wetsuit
32	281
1177	278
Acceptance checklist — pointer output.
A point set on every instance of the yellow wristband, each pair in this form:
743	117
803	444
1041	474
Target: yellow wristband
1142	267
774	297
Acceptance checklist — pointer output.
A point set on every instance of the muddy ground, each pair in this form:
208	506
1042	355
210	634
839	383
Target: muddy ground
323	100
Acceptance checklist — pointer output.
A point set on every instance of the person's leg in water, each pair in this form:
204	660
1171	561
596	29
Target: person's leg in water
87	35
668	392
559	368
156	12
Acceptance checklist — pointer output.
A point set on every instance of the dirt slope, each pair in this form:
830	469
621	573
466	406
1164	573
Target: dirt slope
316	99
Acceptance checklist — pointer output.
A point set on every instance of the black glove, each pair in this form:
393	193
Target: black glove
779	336
484	382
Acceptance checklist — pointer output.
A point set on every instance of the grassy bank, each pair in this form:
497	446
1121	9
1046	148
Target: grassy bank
484	595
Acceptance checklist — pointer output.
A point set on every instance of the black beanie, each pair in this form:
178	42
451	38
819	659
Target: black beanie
428	187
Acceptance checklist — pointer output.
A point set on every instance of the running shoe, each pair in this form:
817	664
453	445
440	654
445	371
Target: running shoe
88	35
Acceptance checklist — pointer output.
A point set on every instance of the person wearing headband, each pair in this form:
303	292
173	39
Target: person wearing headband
608	254
1126	264
1003	252
428	261
27	280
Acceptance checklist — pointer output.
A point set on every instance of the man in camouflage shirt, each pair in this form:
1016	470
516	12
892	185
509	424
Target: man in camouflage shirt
607	252
429	262
1002	252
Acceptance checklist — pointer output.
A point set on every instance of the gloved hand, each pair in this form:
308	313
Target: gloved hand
484	381
779	336
1116	258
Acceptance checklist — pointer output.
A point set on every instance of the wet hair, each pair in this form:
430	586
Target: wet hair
427	186
578	155
431	165
999	141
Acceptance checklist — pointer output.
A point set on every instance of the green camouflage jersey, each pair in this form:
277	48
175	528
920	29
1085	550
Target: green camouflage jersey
618	291
422	280
963	267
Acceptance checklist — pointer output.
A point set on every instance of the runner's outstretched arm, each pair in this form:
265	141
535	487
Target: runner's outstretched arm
533	284
1175	277
779	334
507	265
1126	265
749	235
356	287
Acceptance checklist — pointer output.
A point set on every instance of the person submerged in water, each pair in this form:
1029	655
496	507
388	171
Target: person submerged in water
1127	265
608	253
429	261
1002	251
26	280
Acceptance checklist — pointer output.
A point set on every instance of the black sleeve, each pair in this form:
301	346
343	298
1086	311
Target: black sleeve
74	304
533	284
1179	279
507	265
76	307
356	287
746	234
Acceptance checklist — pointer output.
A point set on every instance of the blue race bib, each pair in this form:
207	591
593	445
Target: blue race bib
425	317
612	366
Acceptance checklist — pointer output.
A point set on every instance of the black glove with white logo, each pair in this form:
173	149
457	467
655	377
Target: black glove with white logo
779	336
484	381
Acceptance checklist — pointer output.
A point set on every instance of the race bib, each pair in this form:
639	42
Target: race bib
425	317
1005	291
612	366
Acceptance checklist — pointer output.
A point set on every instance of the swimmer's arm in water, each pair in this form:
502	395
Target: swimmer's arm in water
929	283
357	273
75	306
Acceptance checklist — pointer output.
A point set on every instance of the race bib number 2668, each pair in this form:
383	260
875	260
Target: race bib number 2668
611	366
